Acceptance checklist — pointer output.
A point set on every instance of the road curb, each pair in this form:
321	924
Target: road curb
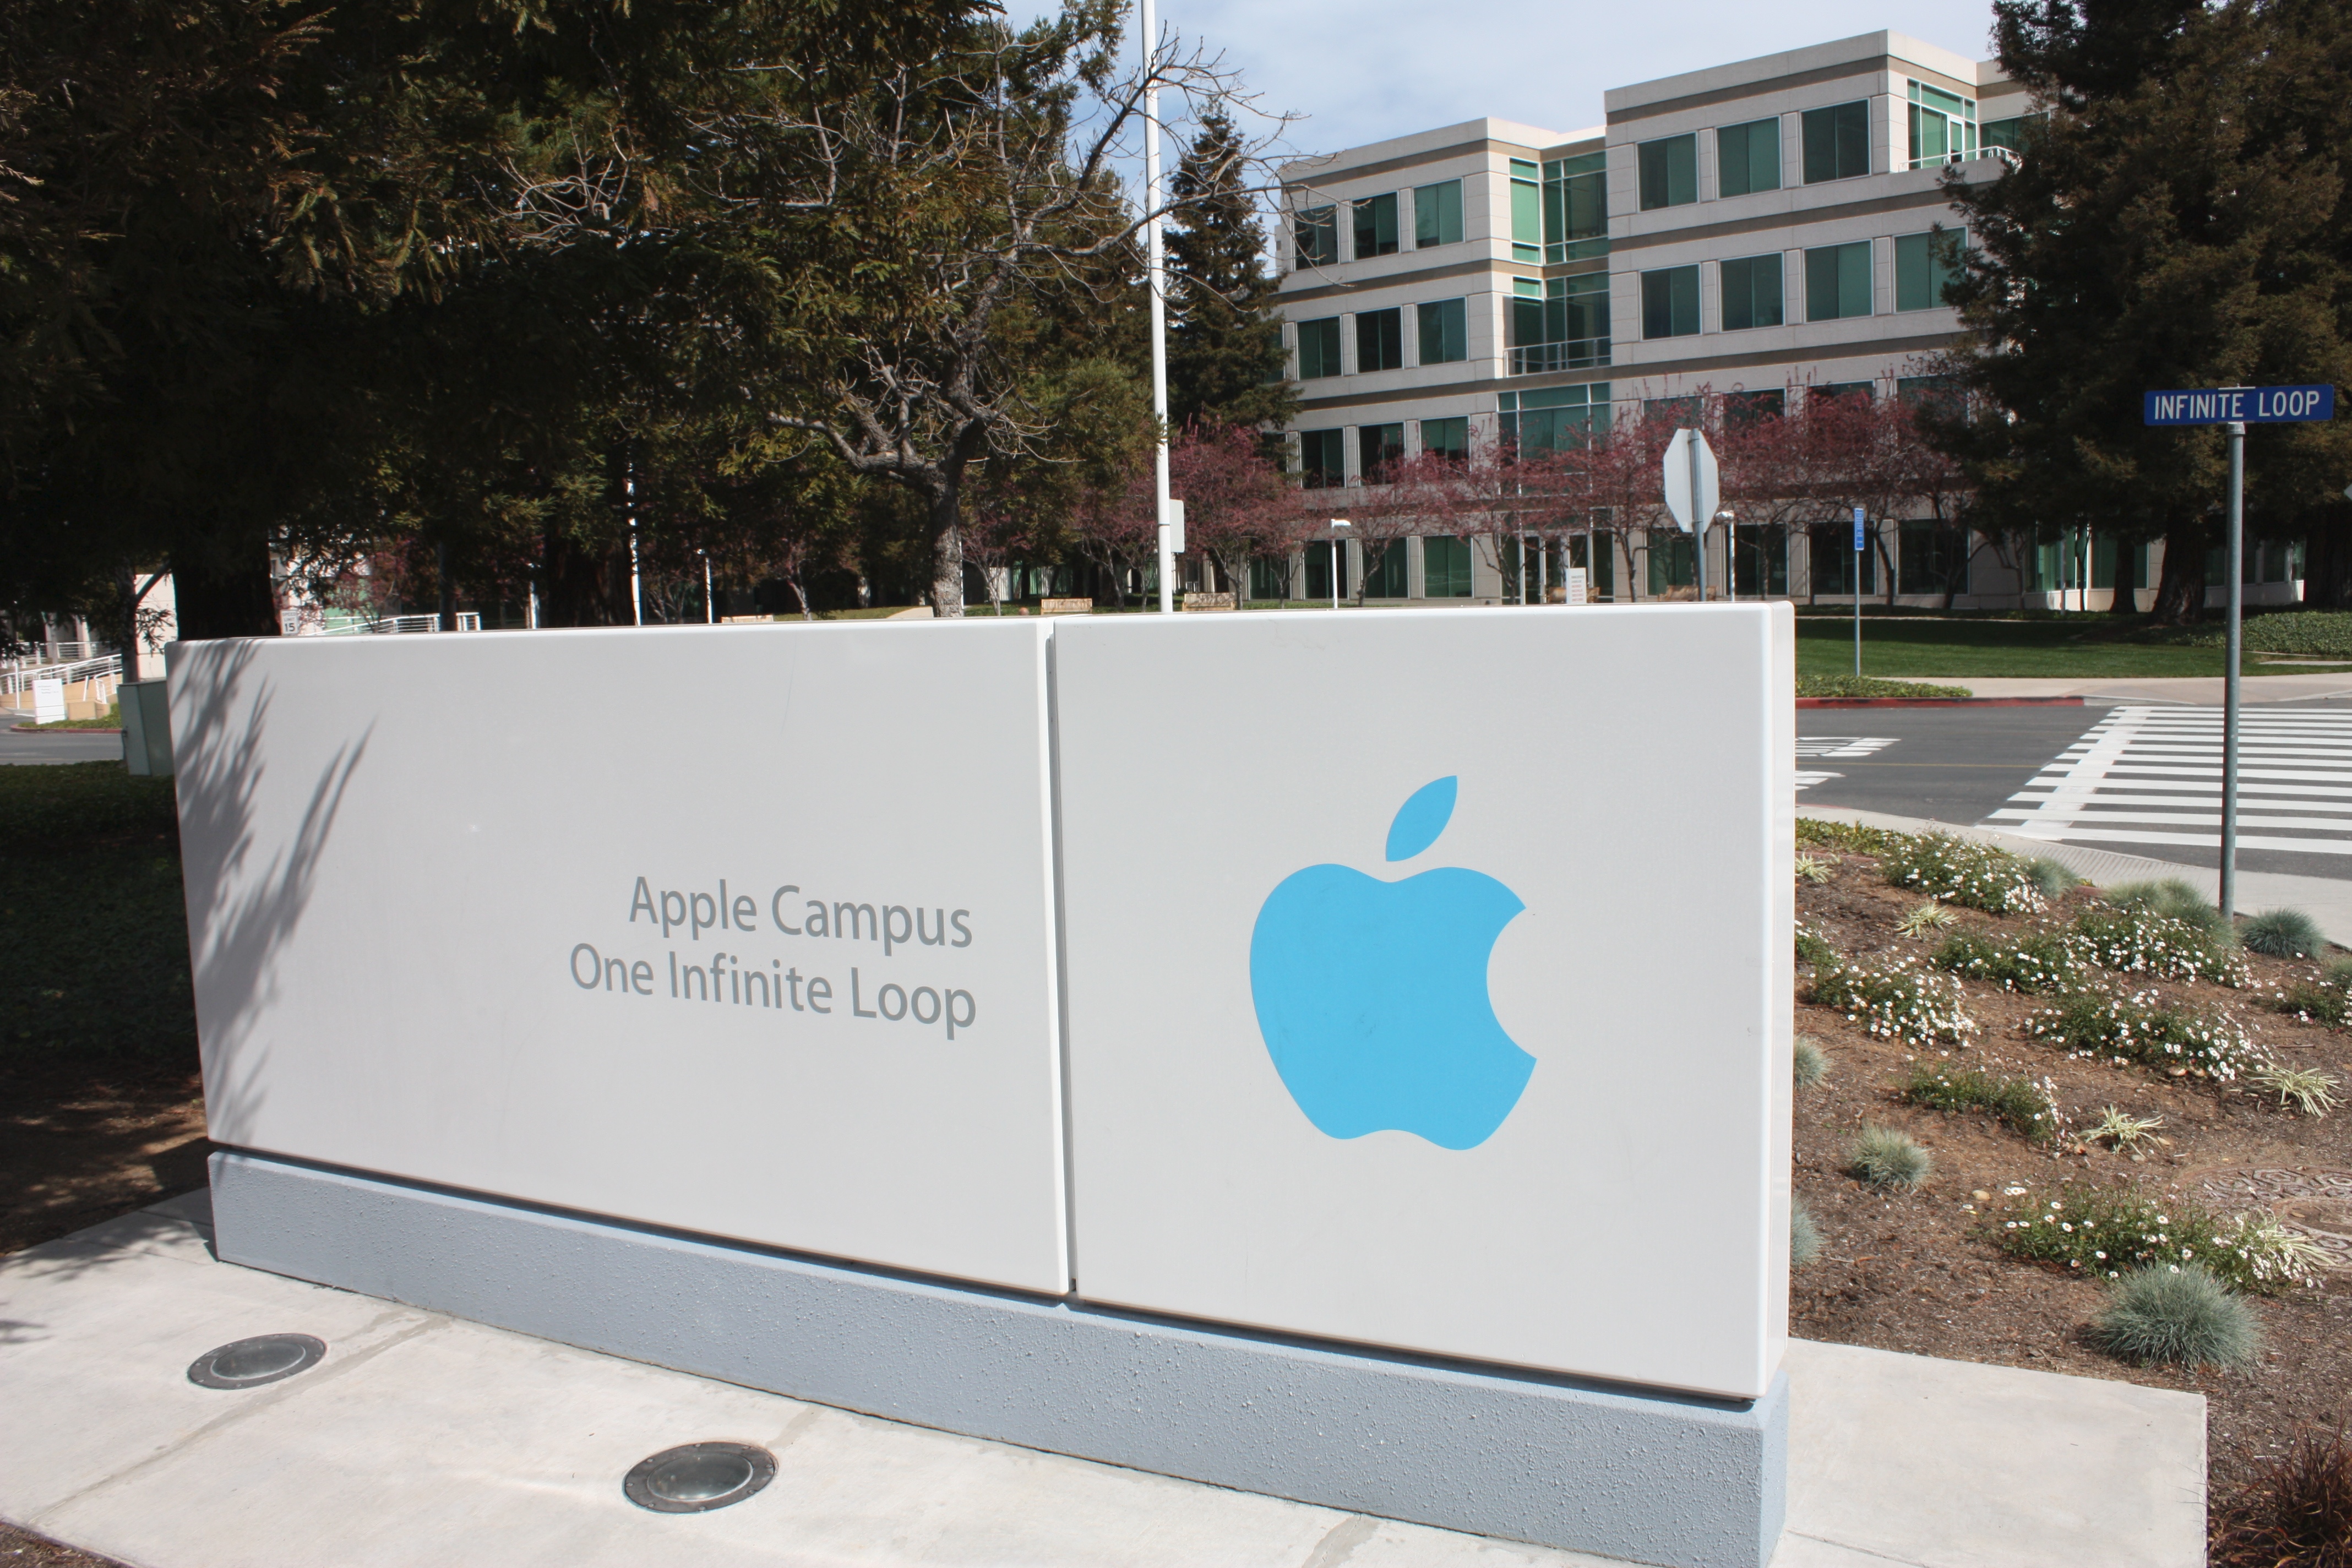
1939	701
36	730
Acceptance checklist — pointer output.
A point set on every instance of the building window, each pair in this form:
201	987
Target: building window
1318	561
1669	171
1437	214
1671	565
1445	331
1376	227
1925	266
1937	393
1751	292
1747	158
1932	557
1670	303
1447	438
1270	579
1316	233
1943	126
1379	449
1556	419
1741	409
1576	208
1683	412
1385	575
1318	348
1445	568
1379	339
1560	325
1323	459
1837	142
1837	281
1760	562
1831	391
1834	559
1527	212
2010	133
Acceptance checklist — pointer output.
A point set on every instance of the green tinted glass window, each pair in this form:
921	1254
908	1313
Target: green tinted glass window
1527	212
1437	214
1576	208
1318	348
1446	437
1317	233
1445	568
1376	227
1837	281
1670	303
1379	339
1837	142
1379	449
1751	292
1669	171
1924	267
1748	157
1445	331
1323	458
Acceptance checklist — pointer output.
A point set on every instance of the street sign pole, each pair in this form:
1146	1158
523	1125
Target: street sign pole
1857	593
2234	409
2235	545
1698	517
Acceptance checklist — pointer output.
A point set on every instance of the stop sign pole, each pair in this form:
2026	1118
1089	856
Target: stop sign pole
2235	407
1691	484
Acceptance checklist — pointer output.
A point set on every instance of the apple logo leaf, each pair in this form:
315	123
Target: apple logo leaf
1422	819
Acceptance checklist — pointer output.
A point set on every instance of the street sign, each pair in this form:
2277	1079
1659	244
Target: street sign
1857	529
2240	405
1683	474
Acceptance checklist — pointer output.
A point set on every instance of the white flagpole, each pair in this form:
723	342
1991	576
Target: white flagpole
1156	274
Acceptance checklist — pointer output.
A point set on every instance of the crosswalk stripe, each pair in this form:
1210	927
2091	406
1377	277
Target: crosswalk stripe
2141	775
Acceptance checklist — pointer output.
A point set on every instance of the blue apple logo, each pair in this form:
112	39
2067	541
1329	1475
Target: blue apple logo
1372	995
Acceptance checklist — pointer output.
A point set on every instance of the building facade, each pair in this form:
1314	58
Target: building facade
1753	232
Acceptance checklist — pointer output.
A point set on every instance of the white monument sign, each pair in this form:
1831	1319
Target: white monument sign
48	700
1452	1022
746	933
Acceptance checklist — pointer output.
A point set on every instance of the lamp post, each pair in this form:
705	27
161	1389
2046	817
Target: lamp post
1154	271
1337	522
1730	554
709	611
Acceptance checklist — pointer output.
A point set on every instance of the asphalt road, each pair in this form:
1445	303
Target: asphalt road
56	745
1959	764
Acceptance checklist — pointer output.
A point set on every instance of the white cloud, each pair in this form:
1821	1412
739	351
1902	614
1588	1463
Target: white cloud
1365	69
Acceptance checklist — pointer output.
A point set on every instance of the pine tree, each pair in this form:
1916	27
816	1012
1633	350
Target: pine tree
2176	220
1225	363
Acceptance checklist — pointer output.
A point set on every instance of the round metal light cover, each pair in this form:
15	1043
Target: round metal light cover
695	1477
249	1363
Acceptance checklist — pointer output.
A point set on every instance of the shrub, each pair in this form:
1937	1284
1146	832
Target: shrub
1900	1001
1810	1063
2104	1231
2324	632
2316	1002
2137	940
1850	837
1890	1157
2050	877
2137	1028
2029	961
1804	1234
2181	1316
2339	973
2311	1089
2020	1104
1815	948
2284	934
1871	686
2171	898
2297	1514
1961	871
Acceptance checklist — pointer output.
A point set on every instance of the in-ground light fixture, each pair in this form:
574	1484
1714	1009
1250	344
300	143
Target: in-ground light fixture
249	1363
695	1477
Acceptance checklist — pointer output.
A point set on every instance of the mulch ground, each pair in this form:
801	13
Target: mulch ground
1919	1272
23	1549
88	1139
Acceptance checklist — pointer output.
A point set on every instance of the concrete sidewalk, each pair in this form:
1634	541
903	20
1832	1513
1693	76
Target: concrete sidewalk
2328	899
2202	691
425	1440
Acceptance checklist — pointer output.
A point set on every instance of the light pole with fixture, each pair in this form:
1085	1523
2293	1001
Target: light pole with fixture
1337	522
1154	272
709	611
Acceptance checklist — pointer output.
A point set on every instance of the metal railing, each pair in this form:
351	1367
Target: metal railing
1576	354
108	667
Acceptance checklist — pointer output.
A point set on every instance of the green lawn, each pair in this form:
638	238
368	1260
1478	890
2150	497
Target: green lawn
1911	647
89	900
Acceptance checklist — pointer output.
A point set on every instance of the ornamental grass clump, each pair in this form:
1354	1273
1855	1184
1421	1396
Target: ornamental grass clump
2311	1090
2284	934
2105	1231
2033	960
1890	1157
2176	1316
2121	1028
1809	1064
2296	1514
1813	868
1961	871
2024	1106
2137	940
1928	917
2171	898
1900	1000
2050	876
1804	1235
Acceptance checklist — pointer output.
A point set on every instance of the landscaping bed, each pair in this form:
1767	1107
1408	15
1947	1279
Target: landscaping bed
1937	1271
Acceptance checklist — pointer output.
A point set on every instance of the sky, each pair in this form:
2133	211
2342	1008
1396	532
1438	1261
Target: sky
1361	70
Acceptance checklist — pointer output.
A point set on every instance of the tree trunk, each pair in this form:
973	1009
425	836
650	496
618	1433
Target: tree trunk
947	558
2180	595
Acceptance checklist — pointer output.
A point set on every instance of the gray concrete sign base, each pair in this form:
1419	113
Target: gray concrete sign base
1684	1482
